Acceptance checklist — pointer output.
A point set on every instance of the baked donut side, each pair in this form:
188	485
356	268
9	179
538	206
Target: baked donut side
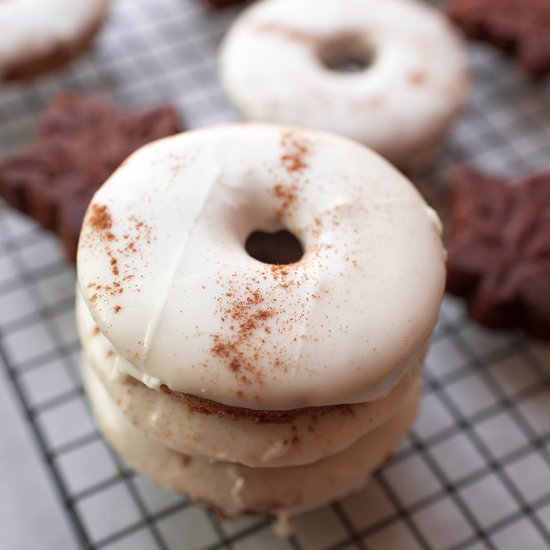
234	490
301	438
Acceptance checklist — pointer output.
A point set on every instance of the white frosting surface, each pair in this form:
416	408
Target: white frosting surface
237	489
305	439
164	272
401	105
31	27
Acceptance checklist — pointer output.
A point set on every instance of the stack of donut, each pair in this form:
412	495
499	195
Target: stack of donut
257	387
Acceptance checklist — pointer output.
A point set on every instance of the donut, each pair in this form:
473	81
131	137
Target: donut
215	437
392	75
163	268
234	490
40	36
215	339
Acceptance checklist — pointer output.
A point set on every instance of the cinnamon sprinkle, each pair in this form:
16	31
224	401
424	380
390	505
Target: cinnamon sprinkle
100	218
279	270
295	150
185	460
114	264
119	253
417	77
242	349
288	195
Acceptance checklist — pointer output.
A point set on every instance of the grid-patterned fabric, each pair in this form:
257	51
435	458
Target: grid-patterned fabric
475	472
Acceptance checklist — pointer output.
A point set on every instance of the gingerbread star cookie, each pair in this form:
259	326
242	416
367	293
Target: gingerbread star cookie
81	141
520	27
499	249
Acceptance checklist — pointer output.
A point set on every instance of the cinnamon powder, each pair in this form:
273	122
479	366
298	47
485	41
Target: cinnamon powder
244	317
100	218
295	150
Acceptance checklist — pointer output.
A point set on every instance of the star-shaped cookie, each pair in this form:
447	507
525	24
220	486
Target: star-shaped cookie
520	27
499	249
81	141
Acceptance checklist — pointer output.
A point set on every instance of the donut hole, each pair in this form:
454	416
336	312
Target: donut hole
279	248
347	54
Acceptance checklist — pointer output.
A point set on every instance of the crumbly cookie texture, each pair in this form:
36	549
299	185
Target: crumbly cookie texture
520	27
81	140
499	249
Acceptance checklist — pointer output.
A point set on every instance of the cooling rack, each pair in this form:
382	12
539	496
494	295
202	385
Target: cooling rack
475	471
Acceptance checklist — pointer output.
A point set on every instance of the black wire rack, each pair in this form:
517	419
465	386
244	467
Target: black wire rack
475	471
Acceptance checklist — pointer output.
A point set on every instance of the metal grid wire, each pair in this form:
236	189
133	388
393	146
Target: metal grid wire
475	472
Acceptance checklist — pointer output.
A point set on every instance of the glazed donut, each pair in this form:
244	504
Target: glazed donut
285	61
39	36
301	440
164	272
234	489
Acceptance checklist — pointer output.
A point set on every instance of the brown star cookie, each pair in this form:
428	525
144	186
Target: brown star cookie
81	141
520	27
499	249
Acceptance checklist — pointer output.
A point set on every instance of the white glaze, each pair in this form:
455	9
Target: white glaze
401	106
345	323
34	27
237	489
304	440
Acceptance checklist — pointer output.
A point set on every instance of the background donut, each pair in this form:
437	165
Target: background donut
392	75
39	36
